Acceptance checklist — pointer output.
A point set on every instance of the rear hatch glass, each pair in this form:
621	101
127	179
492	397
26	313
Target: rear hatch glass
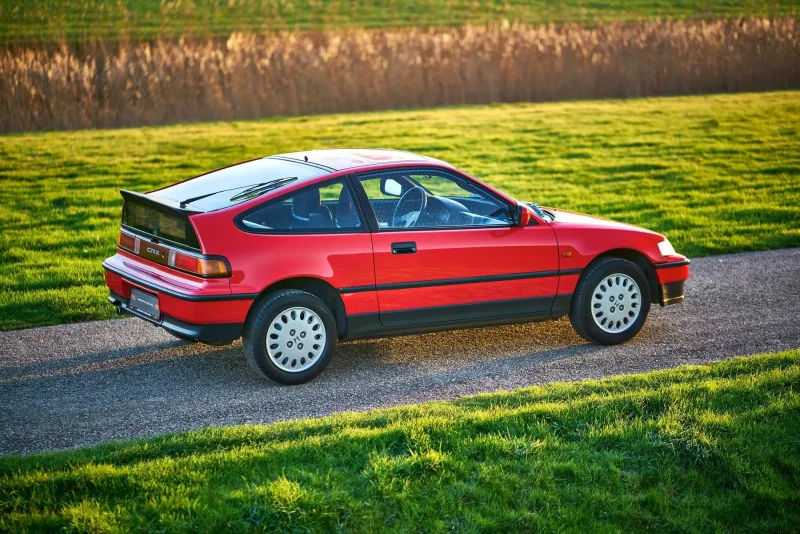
147	217
225	187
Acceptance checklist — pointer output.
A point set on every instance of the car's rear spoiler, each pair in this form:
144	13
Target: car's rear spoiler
159	203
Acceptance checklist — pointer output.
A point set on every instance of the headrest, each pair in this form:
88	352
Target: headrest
304	203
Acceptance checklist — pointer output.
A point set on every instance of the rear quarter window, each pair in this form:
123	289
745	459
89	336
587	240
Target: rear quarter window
327	208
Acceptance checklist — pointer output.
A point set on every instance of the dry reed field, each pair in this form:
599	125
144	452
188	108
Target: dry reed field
249	76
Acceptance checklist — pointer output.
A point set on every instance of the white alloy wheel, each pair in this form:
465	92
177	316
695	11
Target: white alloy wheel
616	303
295	339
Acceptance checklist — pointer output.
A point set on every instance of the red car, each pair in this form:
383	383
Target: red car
299	251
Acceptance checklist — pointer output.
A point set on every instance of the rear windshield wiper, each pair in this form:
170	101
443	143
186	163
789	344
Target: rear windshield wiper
260	189
275	183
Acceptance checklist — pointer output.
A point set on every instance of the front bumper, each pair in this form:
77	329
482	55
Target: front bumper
671	293
220	332
671	277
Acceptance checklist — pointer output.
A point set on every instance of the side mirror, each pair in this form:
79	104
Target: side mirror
391	187
522	215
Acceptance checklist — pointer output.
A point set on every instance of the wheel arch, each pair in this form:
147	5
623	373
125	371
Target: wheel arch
641	261
317	287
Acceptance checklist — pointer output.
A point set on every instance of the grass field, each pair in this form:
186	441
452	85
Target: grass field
49	20
716	174
87	86
697	449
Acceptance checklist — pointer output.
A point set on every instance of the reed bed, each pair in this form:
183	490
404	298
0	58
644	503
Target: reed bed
250	76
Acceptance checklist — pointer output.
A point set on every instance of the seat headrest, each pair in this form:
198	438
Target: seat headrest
346	216
303	204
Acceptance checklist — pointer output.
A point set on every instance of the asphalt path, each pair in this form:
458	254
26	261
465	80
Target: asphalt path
80	384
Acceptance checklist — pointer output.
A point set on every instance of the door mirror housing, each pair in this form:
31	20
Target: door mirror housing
522	215
391	187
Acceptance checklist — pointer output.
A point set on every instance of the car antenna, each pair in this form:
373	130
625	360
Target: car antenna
305	157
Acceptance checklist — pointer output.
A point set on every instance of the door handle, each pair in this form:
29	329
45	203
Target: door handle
406	247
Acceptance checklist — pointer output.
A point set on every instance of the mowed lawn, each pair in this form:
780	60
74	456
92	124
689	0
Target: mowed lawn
716	174
696	449
48	20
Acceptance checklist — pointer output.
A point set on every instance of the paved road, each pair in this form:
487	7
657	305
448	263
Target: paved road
80	384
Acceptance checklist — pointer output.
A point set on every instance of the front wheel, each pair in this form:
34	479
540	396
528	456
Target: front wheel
611	302
290	338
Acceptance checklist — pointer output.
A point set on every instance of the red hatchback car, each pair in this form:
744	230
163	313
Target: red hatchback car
298	251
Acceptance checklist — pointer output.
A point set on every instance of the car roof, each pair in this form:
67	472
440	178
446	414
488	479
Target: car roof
221	188
339	159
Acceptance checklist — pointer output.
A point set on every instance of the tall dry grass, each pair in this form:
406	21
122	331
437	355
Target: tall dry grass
250	76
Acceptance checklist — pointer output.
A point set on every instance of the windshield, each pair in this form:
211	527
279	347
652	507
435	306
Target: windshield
218	189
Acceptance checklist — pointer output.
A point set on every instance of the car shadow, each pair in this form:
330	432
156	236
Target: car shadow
172	386
53	367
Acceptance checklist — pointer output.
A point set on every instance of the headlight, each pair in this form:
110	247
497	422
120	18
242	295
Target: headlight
665	247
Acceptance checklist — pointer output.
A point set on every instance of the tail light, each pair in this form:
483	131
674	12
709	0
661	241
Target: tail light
199	265
210	267
128	242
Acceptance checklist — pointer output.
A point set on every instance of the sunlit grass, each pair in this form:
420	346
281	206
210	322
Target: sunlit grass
46	20
717	174
707	448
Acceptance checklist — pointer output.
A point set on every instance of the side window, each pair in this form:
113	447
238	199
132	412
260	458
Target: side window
430	199
327	207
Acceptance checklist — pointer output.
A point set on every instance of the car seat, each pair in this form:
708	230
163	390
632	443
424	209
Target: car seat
346	216
308	211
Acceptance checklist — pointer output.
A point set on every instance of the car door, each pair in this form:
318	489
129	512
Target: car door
460	259
315	232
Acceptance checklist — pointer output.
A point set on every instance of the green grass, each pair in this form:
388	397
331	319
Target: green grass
697	449
716	174
47	20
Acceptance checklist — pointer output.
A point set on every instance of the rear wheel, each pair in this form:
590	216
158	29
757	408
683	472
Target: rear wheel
611	302
290	337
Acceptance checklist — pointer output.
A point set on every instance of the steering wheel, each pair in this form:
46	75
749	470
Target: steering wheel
406	216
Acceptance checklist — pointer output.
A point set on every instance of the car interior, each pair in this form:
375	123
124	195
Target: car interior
399	201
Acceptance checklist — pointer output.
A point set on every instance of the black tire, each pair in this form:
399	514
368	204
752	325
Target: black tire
254	336
581	310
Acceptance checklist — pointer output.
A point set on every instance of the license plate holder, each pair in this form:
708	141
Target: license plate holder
145	303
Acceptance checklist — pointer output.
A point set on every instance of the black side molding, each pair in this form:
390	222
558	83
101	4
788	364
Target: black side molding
457	281
561	305
439	318
671	264
533	306
368	325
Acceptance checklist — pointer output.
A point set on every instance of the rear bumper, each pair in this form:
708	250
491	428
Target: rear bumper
190	301
199	310
219	332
